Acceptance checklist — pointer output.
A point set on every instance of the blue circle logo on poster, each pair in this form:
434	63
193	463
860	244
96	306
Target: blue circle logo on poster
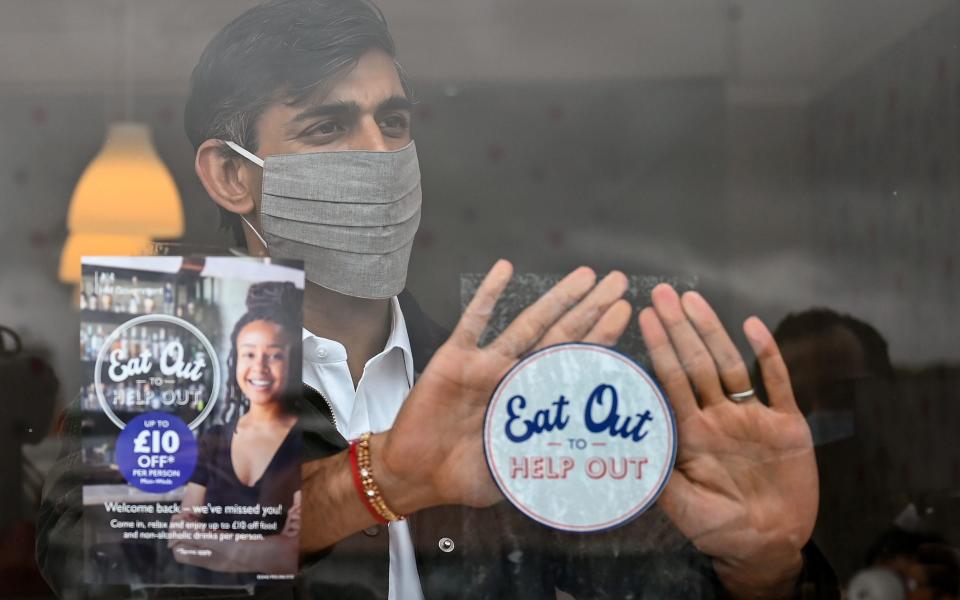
579	437
156	452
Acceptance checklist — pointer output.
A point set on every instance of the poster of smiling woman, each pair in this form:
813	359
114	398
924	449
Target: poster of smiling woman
191	448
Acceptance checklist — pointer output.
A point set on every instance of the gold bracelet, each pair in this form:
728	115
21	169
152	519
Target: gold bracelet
370	487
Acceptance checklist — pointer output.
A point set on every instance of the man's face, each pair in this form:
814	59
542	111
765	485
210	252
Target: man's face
823	369
366	109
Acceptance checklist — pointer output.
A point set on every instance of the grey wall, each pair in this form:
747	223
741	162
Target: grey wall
776	203
774	208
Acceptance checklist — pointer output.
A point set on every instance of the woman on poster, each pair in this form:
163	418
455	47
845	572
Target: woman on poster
244	494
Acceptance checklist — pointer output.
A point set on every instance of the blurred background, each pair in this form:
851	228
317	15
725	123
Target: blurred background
786	155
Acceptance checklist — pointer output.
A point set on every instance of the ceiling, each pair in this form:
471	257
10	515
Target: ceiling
767	50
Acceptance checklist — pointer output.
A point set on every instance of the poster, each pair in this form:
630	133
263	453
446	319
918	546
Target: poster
191	448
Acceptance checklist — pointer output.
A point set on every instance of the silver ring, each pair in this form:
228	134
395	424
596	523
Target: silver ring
741	396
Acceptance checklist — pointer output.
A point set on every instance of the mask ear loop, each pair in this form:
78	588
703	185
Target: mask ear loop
257	233
259	162
245	153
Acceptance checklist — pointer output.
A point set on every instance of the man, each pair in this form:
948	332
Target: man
840	371
314	85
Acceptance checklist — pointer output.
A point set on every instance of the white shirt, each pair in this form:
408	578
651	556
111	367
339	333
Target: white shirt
372	406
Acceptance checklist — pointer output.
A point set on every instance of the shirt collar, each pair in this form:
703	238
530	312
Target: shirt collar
400	339
322	350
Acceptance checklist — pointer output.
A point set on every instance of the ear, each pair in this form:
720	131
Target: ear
232	182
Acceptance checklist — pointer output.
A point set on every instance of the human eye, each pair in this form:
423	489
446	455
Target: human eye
395	124
324	132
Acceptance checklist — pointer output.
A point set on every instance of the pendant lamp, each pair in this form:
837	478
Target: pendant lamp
126	197
126	193
98	244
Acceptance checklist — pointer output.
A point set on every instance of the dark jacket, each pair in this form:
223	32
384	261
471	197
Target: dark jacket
497	552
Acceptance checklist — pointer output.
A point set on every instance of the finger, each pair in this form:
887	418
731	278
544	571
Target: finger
694	357
666	365
729	364
527	329
774	371
478	312
580	320
611	325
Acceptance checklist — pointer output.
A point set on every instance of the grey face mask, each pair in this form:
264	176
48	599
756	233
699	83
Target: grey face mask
350	216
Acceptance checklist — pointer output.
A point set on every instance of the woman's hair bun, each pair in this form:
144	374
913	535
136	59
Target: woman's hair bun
275	295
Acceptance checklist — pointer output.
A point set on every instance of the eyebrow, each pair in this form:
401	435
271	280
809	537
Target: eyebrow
268	346
350	108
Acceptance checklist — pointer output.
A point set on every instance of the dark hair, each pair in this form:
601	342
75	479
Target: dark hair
820	321
282	50
278	302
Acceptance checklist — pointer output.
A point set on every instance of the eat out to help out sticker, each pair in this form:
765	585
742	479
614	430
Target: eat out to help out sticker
579	437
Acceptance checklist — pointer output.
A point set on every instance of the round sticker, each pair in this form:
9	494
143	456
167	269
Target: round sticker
159	362
156	452
579	437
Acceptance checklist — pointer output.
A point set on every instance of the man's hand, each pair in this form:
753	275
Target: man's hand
745	487
434	452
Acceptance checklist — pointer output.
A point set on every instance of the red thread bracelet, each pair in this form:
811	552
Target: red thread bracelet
358	485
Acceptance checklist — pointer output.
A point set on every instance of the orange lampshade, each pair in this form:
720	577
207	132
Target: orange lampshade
126	190
93	244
